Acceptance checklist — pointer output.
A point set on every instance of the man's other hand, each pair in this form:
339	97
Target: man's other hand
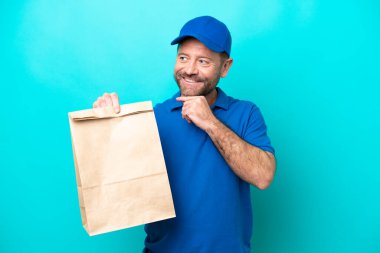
108	99
196	110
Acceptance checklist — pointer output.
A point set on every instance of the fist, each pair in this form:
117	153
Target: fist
108	99
196	110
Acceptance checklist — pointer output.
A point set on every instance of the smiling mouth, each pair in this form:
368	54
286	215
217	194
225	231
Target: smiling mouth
192	81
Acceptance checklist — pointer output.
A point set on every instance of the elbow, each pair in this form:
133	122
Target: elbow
264	183
266	179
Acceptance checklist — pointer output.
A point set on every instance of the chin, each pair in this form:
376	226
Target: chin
195	92
187	93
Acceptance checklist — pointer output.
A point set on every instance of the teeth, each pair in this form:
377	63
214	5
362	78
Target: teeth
189	80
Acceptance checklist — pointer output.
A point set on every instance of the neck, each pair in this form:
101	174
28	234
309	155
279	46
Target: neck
211	97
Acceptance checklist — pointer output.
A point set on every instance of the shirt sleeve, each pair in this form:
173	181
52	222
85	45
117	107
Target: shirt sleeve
256	131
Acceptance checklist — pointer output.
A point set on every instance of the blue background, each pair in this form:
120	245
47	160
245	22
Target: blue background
312	67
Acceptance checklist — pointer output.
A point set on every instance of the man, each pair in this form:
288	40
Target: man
214	146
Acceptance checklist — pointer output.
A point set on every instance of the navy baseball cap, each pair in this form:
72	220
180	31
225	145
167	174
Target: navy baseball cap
208	30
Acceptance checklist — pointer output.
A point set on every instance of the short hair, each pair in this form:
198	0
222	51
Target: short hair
223	57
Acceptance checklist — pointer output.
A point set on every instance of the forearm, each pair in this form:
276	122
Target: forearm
250	163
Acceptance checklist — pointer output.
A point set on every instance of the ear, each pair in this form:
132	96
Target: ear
226	67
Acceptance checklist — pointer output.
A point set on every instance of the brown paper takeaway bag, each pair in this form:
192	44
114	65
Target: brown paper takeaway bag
120	169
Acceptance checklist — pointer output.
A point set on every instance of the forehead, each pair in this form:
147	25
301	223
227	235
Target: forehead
193	46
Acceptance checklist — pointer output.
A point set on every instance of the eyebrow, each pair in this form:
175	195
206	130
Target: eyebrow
197	56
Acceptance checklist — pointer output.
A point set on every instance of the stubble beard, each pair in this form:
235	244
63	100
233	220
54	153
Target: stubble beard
207	85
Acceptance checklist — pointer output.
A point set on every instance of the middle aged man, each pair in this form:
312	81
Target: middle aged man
214	146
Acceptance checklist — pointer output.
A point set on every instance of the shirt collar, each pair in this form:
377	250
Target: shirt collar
222	101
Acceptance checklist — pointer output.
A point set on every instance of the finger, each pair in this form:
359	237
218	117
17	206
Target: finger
188	108
184	111
188	119
188	104
115	102
185	116
187	98
185	106
101	102
95	104
107	99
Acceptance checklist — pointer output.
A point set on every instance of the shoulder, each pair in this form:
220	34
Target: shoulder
242	106
245	113
251	124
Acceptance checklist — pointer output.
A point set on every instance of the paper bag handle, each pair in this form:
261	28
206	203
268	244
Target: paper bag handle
108	112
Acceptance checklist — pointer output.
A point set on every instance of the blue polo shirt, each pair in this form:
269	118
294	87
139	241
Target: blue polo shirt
213	205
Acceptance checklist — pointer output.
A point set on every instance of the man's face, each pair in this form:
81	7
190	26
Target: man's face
198	69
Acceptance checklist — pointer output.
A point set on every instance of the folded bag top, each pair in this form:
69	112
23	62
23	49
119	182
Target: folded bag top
108	112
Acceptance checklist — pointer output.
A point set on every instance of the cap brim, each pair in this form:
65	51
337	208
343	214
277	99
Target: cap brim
179	39
209	44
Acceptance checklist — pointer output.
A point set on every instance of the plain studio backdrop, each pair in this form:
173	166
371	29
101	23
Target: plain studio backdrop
311	66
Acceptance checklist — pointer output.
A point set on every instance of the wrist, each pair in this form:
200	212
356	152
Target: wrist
212	126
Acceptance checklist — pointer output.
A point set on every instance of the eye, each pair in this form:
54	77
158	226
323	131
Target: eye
203	62
182	58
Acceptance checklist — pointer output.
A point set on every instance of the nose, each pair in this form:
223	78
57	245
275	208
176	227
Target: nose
191	68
